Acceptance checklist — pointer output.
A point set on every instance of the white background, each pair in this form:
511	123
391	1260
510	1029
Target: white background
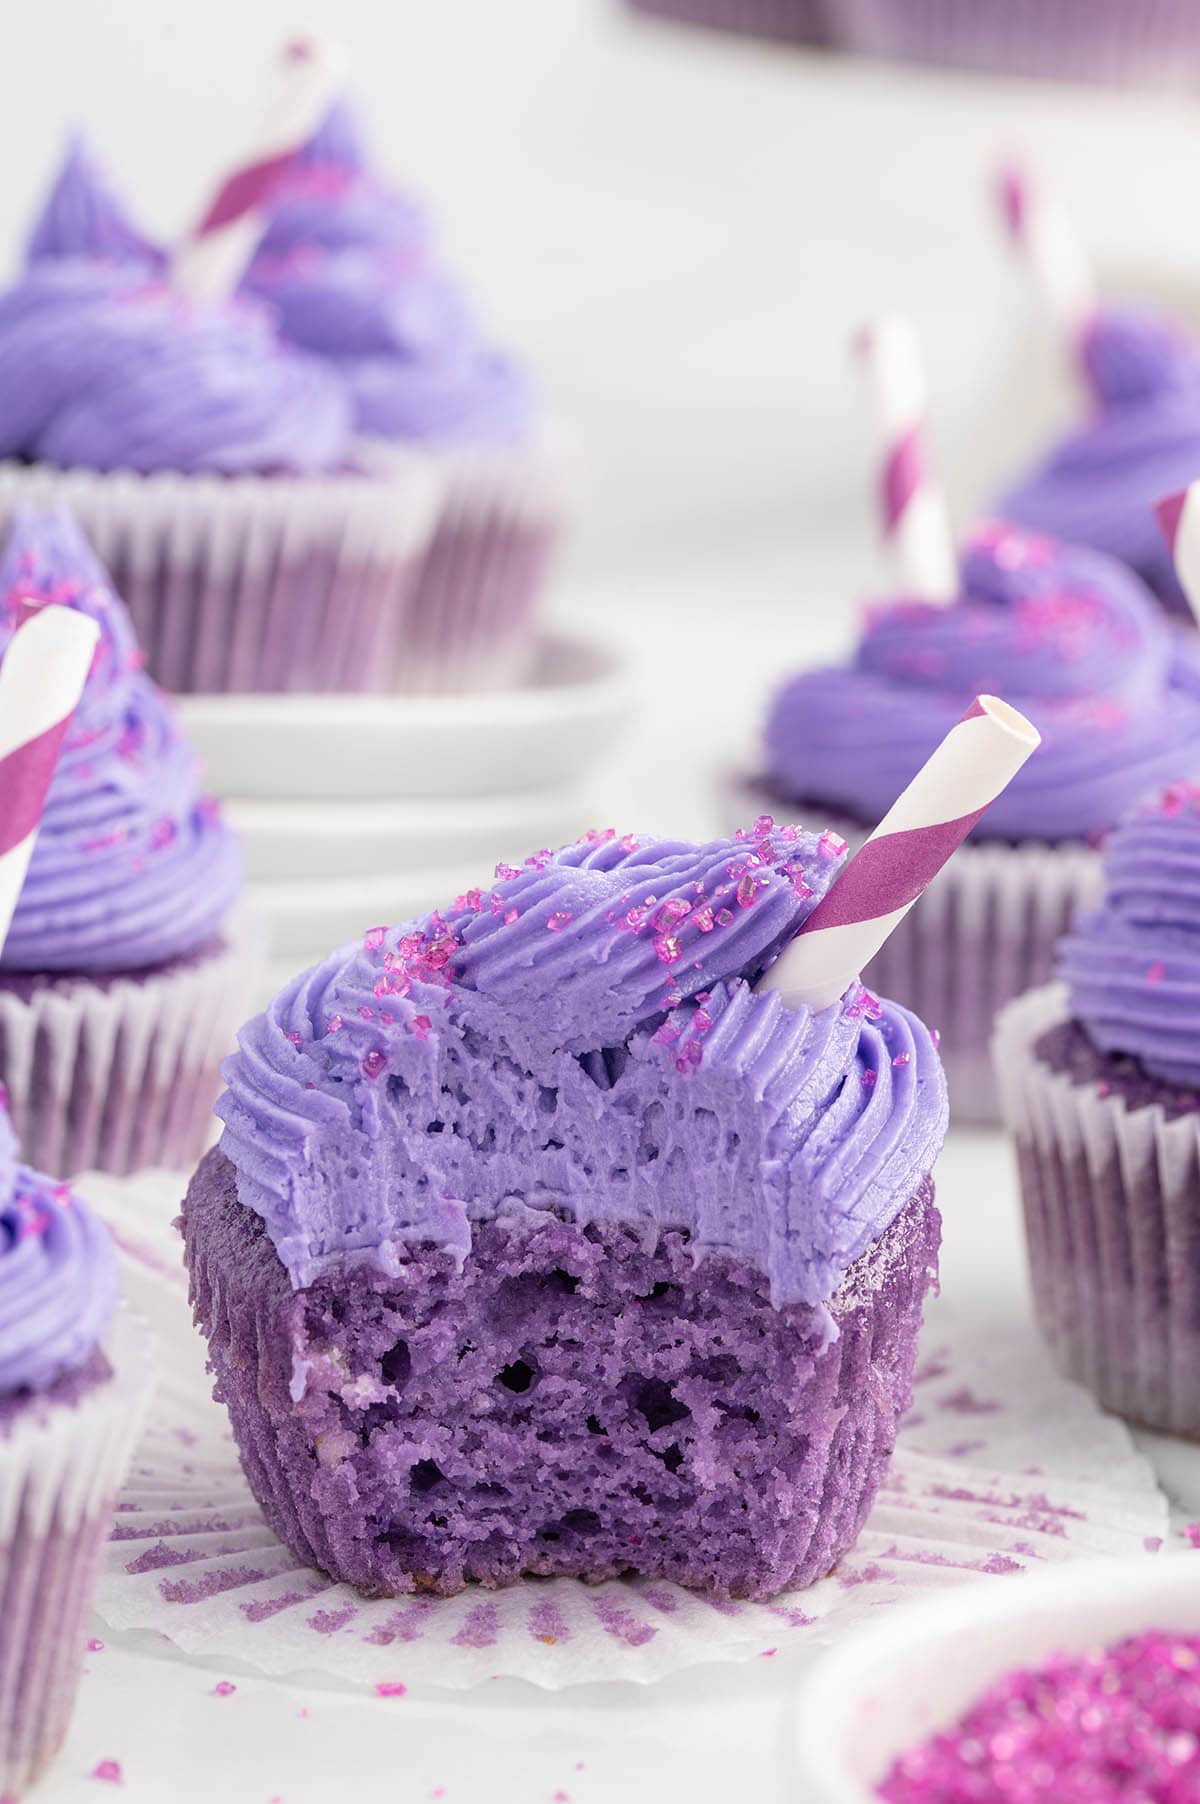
681	233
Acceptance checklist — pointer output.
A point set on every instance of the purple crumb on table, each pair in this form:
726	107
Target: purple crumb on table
1113	1726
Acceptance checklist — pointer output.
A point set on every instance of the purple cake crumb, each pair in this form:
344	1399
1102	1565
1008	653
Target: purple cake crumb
571	1399
1068	1048
1120	1726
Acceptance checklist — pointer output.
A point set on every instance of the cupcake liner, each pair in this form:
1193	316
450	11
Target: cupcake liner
789	21
61	1466
982	934
254	583
1112	1220
471	616
1000	1465
1156	42
122	1073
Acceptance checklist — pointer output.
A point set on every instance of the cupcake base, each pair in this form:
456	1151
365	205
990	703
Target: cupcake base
62	1458
985	933
117	1073
1109	1163
573	1402
786	21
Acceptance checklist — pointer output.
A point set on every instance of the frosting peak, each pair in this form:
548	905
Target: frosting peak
133	865
583	1035
82	217
1132	966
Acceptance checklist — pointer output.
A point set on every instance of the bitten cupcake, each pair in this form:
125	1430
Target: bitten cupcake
1098	486
212	465
75	1379
789	21
123	973
1079	644
1099	1075
540	1241
1124	42
349	269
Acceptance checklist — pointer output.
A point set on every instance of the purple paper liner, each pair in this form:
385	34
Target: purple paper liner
1120	42
62	1461
573	1402
1111	1197
983	933
787	21
121	1073
256	584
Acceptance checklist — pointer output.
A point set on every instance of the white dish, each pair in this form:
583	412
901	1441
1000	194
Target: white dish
915	1671
305	920
307	840
397	748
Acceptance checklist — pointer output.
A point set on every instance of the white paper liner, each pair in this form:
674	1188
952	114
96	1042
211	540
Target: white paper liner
125	1075
61	1466
1112	1214
476	599
983	933
1000	1464
251	583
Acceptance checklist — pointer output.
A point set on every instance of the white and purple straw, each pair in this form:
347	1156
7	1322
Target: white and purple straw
1043	234
1179	517
912	507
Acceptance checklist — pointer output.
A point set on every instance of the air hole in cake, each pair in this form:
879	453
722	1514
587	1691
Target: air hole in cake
592	1065
581	1522
425	1475
516	1377
396	1365
662	1292
547	1101
672	1459
655	1399
435	1127
396	1088
595	1426
718	1368
564	1281
552	1145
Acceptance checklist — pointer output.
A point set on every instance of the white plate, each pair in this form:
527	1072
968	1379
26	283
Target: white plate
305	920
302	747
900	1679
306	840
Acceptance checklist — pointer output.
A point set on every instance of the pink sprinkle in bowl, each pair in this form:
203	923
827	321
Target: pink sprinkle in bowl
918	1668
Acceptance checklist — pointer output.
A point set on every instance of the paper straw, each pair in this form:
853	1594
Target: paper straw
1179	517
1043	234
976	760
913	513
41	680
210	261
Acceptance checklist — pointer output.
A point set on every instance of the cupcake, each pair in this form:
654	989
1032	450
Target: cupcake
789	21
348	268
75	1380
123	974
1122	42
538	1242
1099	1076
1077	643
212	465
1099	485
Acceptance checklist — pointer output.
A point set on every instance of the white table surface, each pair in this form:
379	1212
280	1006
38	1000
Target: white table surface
683	233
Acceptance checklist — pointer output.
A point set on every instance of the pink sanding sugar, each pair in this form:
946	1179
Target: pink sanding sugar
1120	1726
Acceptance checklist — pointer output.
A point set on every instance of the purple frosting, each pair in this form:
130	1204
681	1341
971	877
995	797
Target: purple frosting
1068	636
584	1036
132	866
1098	486
346	264
1132	966
82	217
58	1276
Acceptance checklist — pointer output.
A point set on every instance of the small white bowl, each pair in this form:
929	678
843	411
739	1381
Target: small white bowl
916	1670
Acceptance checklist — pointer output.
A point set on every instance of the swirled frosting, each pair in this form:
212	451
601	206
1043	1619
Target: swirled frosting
1098	486
133	865
58	1277
103	368
1067	635
584	1035
347	266
1132	966
82	217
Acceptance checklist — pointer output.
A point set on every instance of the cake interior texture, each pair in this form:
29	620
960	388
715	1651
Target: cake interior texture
567	1399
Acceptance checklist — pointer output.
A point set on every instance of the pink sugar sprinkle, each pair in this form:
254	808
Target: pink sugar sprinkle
334	1024
506	871
724	917
374	937
935	1034
390	1688
831	844
559	920
668	948
629	843
673	910
421	1025
869	1078
1192	1533
366	1012
703	917
289	1033
109	1771
510	917
666	1034
162	833
1118	1726
375	1064
902	1058
1156	973
94	1645
224	1688
763	825
747	891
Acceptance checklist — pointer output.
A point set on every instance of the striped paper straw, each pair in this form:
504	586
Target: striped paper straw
41	680
976	760
1043	234
912	507
210	261
1179	517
